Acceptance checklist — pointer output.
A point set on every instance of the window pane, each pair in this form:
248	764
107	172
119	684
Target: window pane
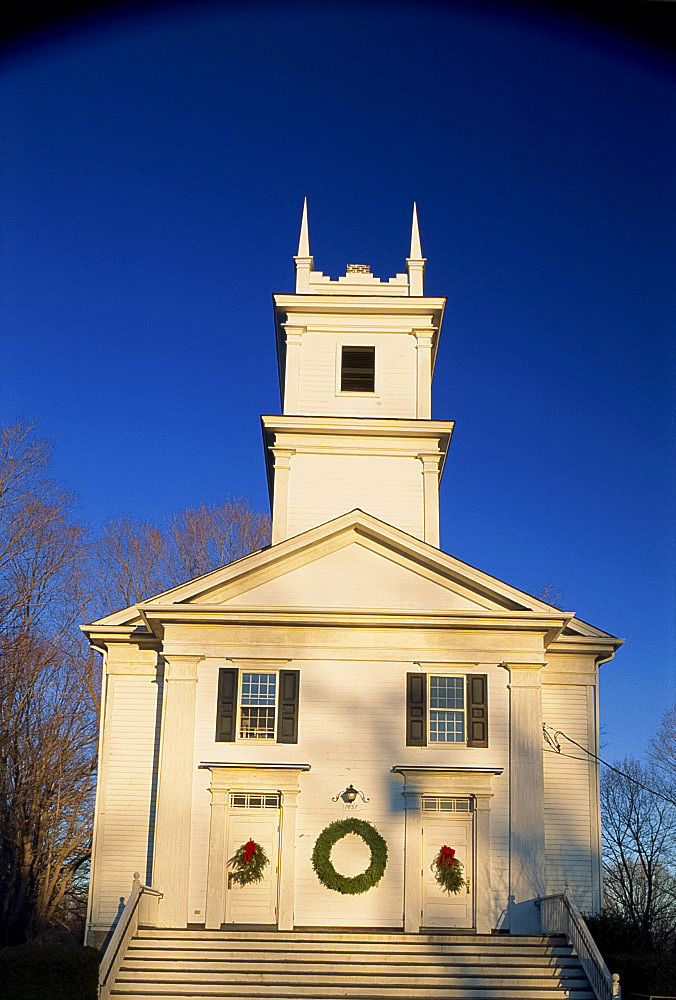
258	723
447	692
447	727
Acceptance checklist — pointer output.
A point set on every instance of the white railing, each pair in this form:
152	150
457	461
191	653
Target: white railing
141	907
560	915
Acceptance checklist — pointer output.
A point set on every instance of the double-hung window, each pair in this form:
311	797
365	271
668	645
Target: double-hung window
257	704
443	708
447	710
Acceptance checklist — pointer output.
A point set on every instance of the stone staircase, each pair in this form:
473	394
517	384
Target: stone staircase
323	965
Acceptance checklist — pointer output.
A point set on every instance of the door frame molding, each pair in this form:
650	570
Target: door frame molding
450	781
227	778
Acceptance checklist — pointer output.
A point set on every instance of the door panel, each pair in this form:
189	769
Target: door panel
440	908
256	903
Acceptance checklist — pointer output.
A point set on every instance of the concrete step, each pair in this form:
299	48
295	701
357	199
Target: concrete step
257	934
344	954
308	946
448	993
353	965
350	977
139	958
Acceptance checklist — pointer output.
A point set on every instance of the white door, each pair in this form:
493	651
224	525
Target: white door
449	822
249	818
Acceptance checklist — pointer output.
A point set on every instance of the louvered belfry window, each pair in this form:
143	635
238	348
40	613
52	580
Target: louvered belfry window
358	369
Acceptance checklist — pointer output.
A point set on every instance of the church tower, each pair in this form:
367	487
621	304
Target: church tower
356	359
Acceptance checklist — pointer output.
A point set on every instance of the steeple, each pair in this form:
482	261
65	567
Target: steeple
415	263
303	260
356	358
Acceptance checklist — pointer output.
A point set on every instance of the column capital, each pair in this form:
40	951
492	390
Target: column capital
180	667
524	675
423	338
430	461
289	796
294	334
219	796
283	457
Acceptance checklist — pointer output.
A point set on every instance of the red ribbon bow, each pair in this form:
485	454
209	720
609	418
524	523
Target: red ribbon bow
249	851
447	854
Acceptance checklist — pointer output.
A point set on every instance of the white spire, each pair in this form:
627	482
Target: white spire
303	260
415	264
416	249
304	240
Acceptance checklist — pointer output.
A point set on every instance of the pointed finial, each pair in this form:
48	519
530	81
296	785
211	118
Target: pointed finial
415	264
416	249
304	241
303	259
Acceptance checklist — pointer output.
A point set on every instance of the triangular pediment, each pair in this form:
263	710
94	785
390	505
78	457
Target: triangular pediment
355	562
352	573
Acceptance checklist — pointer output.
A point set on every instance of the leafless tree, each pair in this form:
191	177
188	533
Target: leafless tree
128	564
47	722
51	580
549	594
663	750
134	560
639	848
203	538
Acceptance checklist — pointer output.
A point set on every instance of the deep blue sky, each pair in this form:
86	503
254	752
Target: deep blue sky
154	165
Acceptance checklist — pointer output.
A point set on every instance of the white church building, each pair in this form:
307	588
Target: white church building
349	670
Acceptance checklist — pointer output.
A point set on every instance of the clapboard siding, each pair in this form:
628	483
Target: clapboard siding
351	730
395	394
324	486
126	810
568	832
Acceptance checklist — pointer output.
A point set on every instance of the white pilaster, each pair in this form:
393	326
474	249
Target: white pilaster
526	804
216	875
294	339
280	505
413	862
171	857
423	345
430	473
484	895
287	860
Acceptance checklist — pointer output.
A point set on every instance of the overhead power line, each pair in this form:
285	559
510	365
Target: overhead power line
552	738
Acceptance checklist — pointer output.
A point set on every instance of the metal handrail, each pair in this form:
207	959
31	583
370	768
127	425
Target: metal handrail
124	931
560	915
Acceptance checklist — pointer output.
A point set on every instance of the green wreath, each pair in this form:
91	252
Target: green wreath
321	856
448	870
249	862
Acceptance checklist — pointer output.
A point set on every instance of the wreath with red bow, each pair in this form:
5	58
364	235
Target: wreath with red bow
448	870
249	862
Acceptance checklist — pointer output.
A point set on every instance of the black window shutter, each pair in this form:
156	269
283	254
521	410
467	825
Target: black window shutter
226	712
416	710
287	722
477	710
